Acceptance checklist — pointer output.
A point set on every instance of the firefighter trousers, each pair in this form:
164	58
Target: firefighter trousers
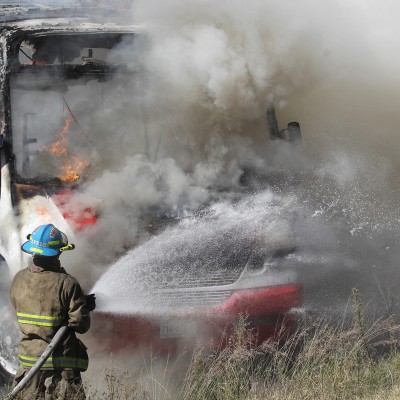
52	385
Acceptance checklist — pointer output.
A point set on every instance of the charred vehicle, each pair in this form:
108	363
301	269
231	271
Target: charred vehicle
45	64
48	67
191	283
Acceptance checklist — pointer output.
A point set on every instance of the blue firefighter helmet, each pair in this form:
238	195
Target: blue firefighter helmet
45	240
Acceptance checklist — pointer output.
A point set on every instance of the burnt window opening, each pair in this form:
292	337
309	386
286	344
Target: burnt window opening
72	105
73	49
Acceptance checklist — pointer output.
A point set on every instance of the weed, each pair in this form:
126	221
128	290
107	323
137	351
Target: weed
322	360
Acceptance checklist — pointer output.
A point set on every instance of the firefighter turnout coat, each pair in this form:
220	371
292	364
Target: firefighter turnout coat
45	297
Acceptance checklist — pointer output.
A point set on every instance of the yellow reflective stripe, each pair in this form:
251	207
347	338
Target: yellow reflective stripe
55	362
31	361
53	242
41	320
36	250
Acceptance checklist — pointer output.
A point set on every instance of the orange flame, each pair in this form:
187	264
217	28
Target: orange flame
72	165
59	148
73	168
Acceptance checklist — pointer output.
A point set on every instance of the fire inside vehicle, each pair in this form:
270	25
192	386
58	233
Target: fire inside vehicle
49	68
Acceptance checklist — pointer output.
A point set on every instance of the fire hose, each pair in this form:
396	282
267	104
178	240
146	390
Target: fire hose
42	359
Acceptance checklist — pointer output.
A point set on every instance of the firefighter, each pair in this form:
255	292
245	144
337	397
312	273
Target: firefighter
45	297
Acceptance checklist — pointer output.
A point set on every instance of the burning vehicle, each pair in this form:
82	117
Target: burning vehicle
48	149
200	277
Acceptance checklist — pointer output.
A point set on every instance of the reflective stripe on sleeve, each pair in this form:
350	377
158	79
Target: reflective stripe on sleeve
55	362
41	320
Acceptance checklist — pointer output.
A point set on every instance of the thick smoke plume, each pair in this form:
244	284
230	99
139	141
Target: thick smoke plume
204	75
191	125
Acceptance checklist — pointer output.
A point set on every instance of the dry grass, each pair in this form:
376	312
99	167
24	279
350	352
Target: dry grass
322	361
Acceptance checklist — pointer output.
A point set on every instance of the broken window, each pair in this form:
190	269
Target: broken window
73	49
74	104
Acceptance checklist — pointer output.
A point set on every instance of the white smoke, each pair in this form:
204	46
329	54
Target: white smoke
192	121
194	116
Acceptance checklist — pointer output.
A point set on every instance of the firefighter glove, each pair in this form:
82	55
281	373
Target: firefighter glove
91	301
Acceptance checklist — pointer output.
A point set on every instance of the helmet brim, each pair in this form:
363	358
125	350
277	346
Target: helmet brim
30	248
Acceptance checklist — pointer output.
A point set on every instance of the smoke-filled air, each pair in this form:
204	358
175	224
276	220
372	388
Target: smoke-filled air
188	177
204	76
